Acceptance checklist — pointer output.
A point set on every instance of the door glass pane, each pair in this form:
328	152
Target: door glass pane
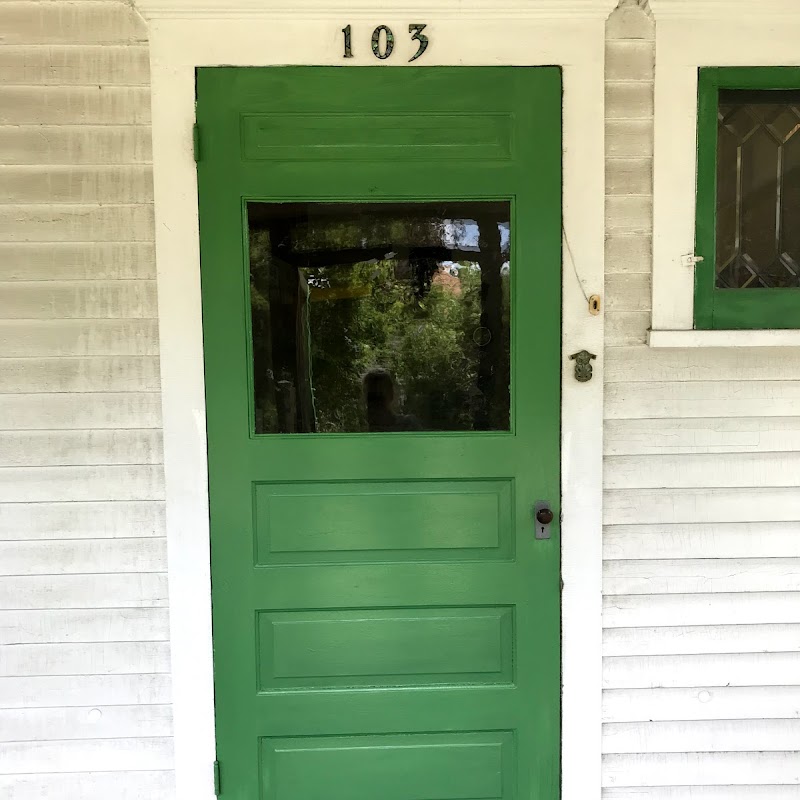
758	189
380	316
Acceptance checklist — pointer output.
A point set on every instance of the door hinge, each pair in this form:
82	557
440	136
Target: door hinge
196	141
216	778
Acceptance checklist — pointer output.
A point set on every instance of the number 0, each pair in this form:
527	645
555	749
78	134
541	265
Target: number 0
376	42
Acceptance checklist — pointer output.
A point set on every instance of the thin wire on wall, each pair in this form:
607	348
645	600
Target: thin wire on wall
573	263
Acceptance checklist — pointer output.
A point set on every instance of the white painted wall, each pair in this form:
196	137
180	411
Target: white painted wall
702	512
84	655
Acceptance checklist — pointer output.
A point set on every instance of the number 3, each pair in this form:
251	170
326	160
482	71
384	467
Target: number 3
420	37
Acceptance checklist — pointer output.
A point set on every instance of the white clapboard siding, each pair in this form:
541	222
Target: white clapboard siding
675	402
74	261
90	299
39	626
79	520
153	785
76	223
115	411
75	144
629	176
74	105
642	364
730	540
628	254
771	792
727	669
629	100
59	23
84	670
74	448
663	506
685	576
627	138
69	184
85	755
47	691
689	769
696	639
87	556
112	482
627	327
702	512
101	337
80	374
629	215
700	436
121	65
85	658
626	57
701	736
745	608
118	590
107	722
701	703
694	470
628	292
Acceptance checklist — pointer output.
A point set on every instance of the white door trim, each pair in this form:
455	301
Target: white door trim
522	32
691	35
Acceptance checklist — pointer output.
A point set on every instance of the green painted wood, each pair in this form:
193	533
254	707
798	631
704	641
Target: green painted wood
450	766
342	647
385	624
448	520
732	309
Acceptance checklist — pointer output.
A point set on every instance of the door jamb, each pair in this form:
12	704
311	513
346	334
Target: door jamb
181	40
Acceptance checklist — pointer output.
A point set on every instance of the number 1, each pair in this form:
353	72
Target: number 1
348	49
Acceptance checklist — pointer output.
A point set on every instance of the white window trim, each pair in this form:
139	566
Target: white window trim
691	34
185	34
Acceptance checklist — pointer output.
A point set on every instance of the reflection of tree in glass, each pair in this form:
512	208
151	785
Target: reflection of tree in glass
426	344
398	307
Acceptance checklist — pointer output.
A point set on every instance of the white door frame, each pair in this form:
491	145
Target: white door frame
185	34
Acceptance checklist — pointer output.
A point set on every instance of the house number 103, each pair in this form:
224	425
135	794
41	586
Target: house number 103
383	41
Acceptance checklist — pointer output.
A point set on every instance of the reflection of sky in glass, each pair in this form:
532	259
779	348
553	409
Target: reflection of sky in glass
463	234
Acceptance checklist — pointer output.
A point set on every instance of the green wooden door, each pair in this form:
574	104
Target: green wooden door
381	255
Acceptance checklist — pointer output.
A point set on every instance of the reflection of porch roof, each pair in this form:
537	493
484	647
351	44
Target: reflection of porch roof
357	255
262	213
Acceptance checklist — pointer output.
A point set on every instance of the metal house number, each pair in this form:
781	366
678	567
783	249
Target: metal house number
383	41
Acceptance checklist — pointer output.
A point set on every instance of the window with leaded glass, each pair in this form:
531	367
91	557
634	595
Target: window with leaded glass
748	226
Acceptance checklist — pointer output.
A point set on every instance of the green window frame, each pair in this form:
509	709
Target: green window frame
723	308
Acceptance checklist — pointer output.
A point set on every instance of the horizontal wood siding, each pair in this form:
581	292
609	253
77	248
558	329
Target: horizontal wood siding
702	515
84	676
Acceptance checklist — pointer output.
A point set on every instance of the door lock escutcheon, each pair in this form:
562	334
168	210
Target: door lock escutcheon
543	516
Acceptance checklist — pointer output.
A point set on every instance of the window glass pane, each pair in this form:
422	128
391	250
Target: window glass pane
758	189
383	317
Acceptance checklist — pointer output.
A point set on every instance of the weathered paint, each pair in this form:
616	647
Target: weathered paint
701	570
84	674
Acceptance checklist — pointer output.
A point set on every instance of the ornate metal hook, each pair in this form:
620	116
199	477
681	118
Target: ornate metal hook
583	365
